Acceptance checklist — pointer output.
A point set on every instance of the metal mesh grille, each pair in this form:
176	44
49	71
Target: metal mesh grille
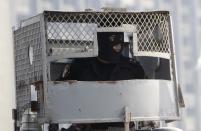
66	36
76	29
24	38
153	33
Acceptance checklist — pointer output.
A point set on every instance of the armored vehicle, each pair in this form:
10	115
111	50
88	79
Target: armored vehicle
108	70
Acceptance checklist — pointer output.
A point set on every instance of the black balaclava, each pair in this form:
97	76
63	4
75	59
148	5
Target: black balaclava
106	41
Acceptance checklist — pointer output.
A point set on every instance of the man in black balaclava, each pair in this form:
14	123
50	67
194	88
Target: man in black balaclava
112	61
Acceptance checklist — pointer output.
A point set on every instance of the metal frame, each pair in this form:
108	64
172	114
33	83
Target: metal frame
45	66
173	63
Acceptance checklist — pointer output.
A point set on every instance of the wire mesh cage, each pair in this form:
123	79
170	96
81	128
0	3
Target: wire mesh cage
60	35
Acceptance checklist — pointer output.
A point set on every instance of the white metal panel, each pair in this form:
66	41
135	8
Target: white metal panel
104	101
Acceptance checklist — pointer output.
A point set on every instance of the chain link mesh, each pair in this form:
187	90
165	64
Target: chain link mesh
66	36
75	30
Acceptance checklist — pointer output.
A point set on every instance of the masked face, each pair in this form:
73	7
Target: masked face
110	46
116	42
117	48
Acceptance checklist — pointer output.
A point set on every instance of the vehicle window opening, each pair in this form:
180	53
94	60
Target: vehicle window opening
115	61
